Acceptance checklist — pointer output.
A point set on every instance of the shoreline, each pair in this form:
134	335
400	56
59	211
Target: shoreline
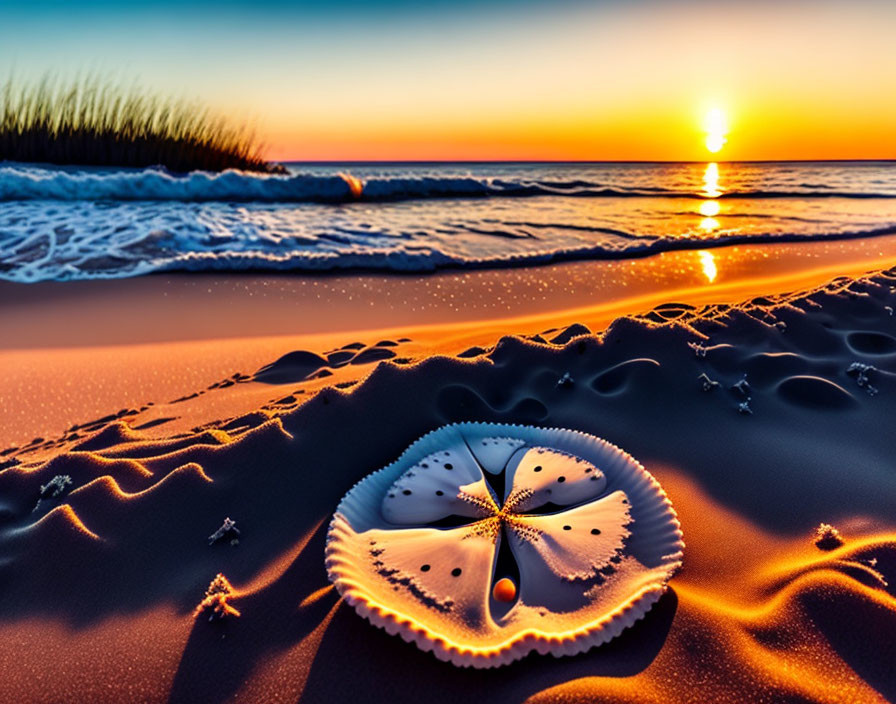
199	306
80	352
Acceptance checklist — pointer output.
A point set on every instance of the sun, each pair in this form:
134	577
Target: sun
715	124
715	142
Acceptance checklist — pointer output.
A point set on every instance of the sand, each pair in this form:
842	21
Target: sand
98	584
80	350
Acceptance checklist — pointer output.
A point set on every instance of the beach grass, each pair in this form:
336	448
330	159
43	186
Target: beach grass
94	121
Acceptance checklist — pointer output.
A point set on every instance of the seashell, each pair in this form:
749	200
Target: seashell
485	542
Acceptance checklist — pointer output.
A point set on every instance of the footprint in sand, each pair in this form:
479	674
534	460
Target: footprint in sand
815	392
871	343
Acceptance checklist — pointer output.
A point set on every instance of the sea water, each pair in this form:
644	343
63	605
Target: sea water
61	223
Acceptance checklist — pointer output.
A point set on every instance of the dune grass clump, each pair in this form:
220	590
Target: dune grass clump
95	122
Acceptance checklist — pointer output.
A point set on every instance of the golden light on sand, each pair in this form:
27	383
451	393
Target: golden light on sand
711	181
708	264
715	125
710	208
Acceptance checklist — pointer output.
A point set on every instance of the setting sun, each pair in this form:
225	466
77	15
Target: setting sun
716	126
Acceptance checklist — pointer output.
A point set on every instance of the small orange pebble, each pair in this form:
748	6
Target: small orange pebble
505	590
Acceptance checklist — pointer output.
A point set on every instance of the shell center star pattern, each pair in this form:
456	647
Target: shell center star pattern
529	512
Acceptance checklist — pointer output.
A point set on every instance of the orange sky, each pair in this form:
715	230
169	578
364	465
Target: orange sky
793	82
493	79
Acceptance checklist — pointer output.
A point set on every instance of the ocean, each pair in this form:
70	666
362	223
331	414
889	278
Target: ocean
63	223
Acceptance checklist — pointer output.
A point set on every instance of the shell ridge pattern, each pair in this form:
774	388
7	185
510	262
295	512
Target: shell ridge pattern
434	547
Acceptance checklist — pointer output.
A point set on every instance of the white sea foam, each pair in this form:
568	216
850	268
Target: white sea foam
64	223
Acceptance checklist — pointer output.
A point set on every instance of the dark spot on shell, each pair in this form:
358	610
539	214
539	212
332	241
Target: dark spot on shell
560	480
439	492
595	531
424	568
567	527
448	465
406	492
456	572
537	469
391	496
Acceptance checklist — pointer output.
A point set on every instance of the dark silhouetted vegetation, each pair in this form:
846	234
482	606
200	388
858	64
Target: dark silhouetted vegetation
93	122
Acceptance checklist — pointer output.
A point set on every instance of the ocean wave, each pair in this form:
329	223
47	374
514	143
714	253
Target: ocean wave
411	260
21	183
104	248
63	223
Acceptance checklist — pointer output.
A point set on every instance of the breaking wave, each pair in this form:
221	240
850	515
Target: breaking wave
30	183
60	223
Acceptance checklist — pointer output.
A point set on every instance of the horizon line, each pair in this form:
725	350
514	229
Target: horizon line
582	161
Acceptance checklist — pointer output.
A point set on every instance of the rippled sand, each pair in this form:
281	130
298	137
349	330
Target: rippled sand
98	584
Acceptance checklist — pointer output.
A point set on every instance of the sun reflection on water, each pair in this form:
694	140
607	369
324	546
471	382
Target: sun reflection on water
711	181
710	208
356	186
709	224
